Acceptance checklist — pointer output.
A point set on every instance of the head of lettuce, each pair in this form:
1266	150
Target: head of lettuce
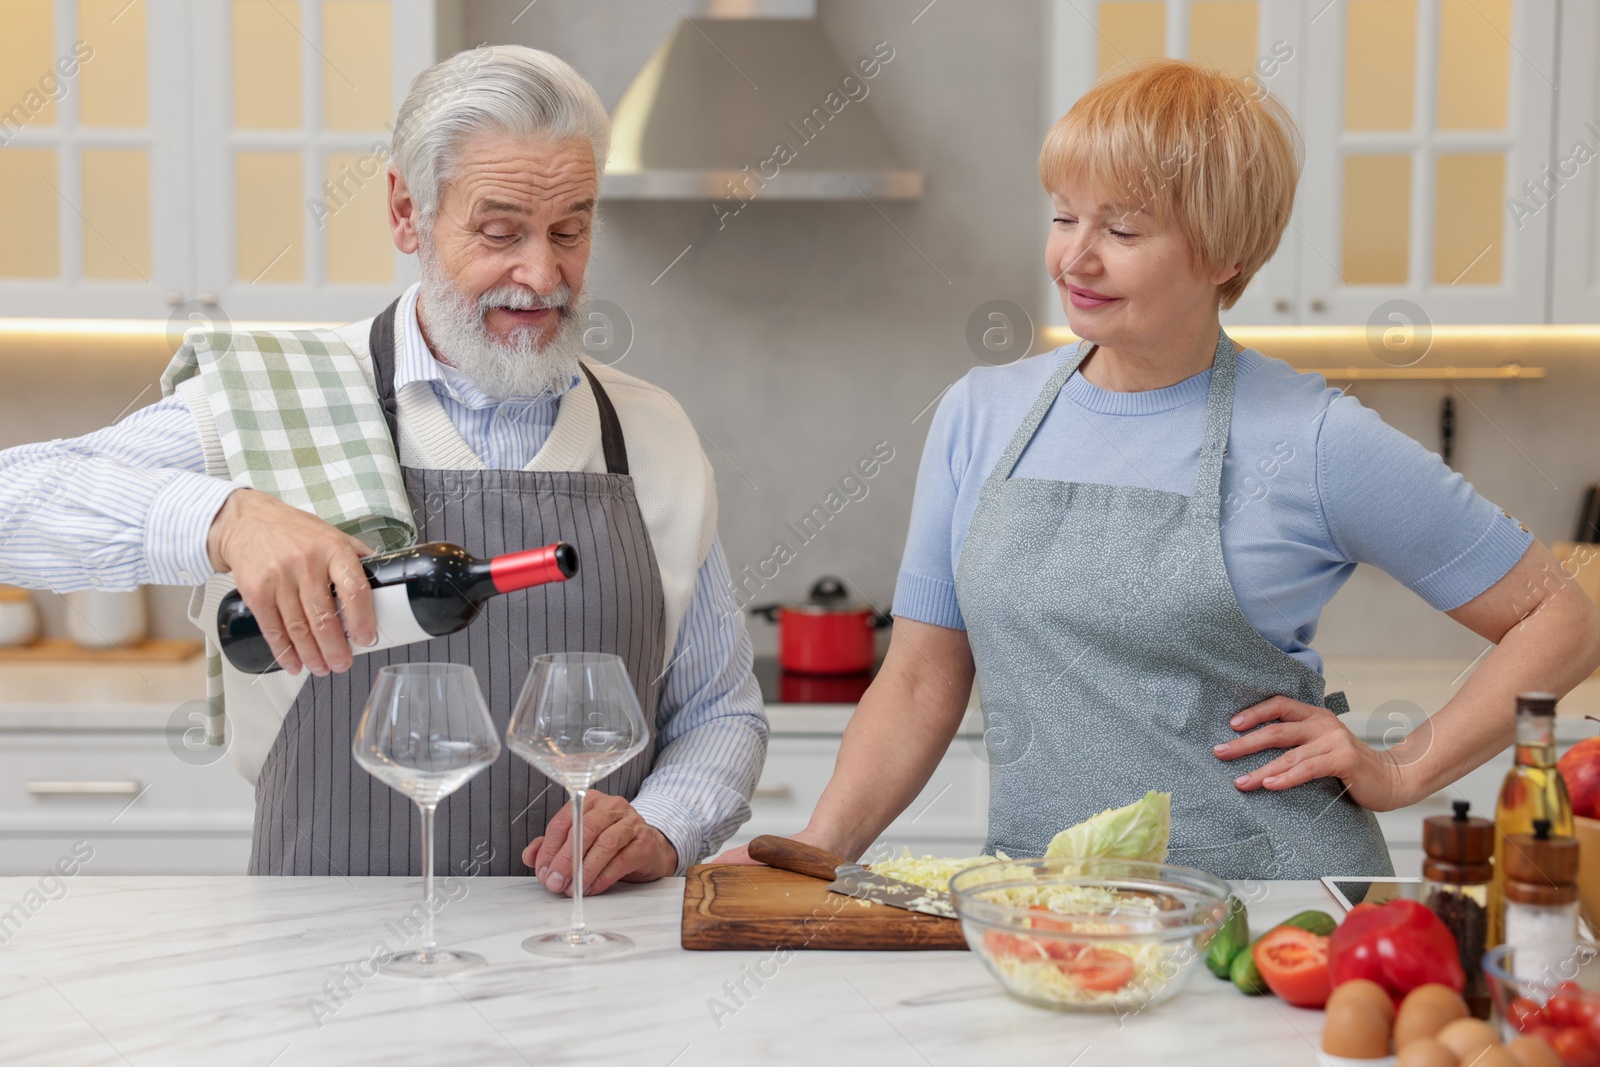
1137	831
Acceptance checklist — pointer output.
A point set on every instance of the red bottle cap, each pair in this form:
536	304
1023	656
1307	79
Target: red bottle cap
537	566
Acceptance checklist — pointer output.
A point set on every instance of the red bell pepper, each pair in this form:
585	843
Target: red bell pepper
1400	945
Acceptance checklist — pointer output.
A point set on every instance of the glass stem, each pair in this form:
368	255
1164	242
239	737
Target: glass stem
428	944
578	932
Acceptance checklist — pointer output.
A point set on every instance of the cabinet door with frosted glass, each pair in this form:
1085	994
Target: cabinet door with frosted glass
291	130
1255	39
1568	190
1420	119
94	175
1428	115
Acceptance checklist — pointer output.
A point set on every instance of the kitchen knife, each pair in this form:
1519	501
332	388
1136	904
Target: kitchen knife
851	879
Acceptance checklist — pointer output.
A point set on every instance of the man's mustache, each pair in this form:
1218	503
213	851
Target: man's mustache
516	298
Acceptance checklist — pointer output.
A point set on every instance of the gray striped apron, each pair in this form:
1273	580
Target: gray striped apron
319	813
1111	653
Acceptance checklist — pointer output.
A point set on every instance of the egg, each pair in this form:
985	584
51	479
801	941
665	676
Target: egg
1467	1038
1495	1056
1355	1028
1425	1011
1531	1052
1426	1052
1369	992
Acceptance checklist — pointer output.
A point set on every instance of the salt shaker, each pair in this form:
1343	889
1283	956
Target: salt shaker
1541	903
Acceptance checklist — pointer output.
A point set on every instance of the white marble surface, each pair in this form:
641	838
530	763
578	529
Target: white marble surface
224	971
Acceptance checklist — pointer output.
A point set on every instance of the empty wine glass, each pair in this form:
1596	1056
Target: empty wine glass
424	732
576	720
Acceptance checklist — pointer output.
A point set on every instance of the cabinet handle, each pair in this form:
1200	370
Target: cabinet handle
124	788
772	792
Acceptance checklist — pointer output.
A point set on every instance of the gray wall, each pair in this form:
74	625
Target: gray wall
801	334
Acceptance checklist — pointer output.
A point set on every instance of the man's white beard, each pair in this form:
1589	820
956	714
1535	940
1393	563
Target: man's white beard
516	366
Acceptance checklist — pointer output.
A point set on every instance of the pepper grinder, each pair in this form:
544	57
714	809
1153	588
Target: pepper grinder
1455	886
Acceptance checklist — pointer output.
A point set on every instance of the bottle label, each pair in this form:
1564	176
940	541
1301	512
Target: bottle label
396	624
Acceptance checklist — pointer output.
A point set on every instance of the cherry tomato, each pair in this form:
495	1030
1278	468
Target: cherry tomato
1577	1047
1294	964
1568	1006
1524	1014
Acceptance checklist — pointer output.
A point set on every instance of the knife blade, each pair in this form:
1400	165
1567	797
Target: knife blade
850	879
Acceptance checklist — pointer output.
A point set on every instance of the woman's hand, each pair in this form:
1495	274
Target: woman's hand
1319	746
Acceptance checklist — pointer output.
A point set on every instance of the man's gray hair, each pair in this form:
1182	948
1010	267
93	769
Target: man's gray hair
507	89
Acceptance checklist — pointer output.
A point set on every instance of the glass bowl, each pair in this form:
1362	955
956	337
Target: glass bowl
1551	992
1089	934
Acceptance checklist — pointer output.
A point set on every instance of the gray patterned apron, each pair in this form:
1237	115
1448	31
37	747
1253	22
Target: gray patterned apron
319	813
1111	653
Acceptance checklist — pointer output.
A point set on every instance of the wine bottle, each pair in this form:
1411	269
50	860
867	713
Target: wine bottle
421	592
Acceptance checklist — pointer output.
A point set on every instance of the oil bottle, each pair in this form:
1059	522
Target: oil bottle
1533	789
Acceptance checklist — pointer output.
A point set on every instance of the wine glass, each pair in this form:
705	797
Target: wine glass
576	720
424	732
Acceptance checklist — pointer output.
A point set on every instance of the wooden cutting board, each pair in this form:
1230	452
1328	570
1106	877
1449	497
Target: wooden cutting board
737	906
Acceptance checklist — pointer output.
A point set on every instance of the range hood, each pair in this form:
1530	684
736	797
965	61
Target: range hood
748	99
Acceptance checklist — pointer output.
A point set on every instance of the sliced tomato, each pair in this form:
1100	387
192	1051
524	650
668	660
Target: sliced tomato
1000	943
1294	964
1100	969
1040	922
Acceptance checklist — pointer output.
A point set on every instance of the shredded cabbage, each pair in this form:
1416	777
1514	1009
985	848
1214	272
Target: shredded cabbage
1154	964
930	872
1139	831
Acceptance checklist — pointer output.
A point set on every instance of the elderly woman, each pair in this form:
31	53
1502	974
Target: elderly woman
1129	540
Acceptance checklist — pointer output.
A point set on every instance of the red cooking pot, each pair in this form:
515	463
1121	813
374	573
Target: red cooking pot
827	634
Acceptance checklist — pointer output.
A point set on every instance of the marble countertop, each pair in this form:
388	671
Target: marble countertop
269	972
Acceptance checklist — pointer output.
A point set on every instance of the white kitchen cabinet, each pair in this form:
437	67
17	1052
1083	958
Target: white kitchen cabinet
138	806
1422	120
210	160
949	818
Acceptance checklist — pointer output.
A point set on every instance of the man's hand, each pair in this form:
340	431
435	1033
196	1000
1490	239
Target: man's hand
618	846
284	560
1319	746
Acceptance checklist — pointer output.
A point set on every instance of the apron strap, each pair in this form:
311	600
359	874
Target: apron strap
1219	419
611	440
1041	407
381	343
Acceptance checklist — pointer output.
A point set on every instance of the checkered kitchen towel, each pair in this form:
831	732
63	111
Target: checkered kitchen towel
297	418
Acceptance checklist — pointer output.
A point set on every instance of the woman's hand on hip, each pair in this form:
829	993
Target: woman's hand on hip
1317	745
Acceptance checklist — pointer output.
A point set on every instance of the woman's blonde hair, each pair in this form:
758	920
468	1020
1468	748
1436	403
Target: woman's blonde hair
1213	152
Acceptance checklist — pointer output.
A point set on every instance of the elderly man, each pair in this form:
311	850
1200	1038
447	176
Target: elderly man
505	440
